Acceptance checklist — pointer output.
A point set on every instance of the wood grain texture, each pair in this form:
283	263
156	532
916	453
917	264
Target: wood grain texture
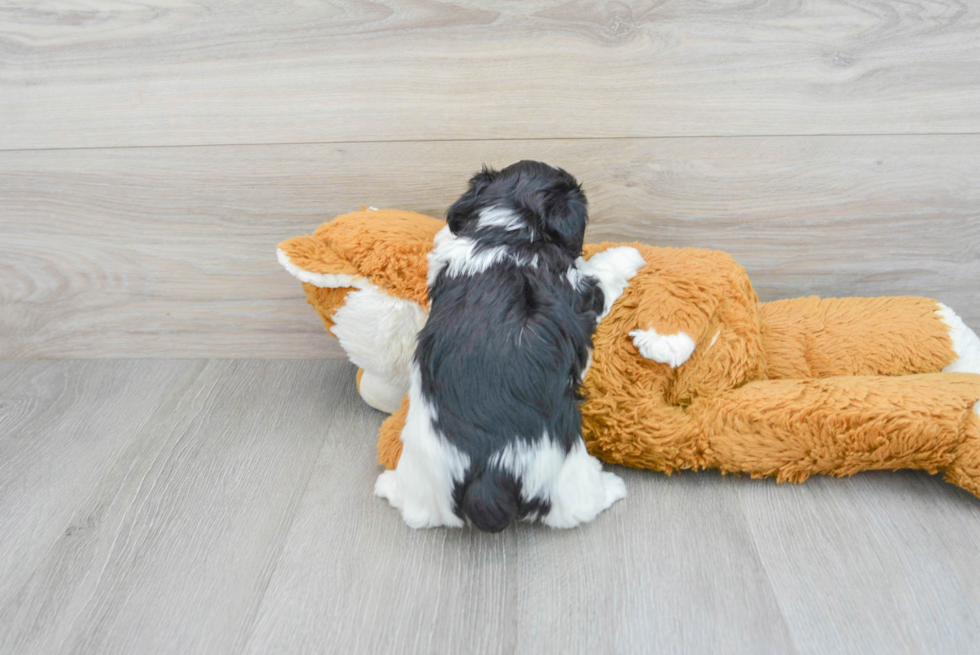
353	578
238	518
63	426
85	74
673	569
638	579
173	549
170	252
881	562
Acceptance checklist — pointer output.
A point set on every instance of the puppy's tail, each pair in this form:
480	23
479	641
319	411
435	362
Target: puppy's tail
490	501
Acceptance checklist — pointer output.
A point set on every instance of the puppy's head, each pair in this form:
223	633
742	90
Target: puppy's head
530	200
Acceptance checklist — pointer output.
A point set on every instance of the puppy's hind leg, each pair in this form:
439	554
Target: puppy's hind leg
582	490
421	487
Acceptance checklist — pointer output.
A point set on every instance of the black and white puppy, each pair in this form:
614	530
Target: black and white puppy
493	431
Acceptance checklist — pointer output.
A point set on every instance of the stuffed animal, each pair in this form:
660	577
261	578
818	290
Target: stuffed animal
689	370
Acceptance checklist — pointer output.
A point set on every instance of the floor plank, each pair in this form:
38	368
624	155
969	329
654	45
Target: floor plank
882	562
191	73
673	569
238	517
63	425
354	577
173	550
12	372
638	578
169	252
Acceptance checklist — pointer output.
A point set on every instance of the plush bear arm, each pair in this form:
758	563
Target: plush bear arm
676	294
792	429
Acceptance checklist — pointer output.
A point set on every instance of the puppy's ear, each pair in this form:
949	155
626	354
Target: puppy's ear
563	212
464	210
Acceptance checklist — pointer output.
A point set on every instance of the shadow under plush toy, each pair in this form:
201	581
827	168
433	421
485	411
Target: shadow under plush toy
689	370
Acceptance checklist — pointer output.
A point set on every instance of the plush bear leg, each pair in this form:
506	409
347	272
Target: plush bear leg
965	343
791	429
964	471
389	437
825	337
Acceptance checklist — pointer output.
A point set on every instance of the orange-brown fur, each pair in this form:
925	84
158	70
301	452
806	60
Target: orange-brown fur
785	389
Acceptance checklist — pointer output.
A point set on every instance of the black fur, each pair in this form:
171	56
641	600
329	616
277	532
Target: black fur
502	354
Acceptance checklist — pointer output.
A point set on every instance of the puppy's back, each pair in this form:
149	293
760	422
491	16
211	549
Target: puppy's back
500	360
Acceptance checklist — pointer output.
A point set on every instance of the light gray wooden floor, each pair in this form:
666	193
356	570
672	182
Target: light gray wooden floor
153	153
208	506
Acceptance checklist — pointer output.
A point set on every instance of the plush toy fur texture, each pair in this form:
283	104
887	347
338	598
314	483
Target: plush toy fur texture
785	389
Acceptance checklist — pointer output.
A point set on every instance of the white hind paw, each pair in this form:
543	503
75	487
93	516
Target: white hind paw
387	487
615	488
416	512
582	490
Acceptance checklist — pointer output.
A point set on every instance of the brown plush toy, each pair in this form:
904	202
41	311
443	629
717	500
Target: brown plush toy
689	370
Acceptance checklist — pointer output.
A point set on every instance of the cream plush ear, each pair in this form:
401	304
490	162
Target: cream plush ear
386	248
311	260
326	277
365	273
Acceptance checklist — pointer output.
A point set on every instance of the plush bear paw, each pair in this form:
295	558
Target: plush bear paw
613	268
670	349
965	343
380	393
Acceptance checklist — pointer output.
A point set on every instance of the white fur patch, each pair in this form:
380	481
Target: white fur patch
670	349
613	268
588	364
575	485
500	217
966	344
456	256
535	464
582	490
976	408
324	280
386	486
421	487
377	331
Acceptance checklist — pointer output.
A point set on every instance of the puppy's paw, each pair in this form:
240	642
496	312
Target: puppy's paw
420	515
615	488
582	490
417	512
386	487
670	349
